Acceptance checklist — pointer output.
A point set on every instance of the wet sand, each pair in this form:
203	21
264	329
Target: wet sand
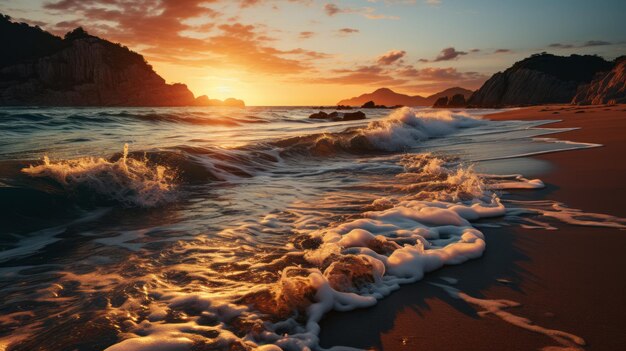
571	279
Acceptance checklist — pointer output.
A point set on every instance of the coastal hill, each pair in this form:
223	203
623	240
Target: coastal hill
539	79
38	68
609	88
385	96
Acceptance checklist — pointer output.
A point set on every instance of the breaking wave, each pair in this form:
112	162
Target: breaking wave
150	179
128	181
252	265
401	130
274	297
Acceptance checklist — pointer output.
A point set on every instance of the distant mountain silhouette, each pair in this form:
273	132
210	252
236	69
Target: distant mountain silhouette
38	68
539	79
386	96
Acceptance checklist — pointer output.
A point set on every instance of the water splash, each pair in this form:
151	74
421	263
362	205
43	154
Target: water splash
129	181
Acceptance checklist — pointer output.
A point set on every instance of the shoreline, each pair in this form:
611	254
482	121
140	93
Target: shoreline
568	279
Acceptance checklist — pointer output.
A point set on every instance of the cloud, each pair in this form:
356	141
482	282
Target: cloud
186	32
433	2
448	54
587	44
370	13
390	57
367	12
433	79
248	3
560	46
347	31
332	9
595	43
362	75
306	35
406	77
501	51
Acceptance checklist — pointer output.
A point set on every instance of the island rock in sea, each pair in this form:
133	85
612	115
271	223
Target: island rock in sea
38	68
539	79
609	88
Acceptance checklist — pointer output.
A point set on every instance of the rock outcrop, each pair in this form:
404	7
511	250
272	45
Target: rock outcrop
456	101
338	116
441	102
388	97
38	68
609	88
539	79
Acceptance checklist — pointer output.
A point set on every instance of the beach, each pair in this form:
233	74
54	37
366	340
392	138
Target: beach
569	279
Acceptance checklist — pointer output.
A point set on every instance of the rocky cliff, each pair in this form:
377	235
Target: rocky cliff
38	68
609	88
539	79
388	97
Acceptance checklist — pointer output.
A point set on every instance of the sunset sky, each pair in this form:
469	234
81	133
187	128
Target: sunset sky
302	52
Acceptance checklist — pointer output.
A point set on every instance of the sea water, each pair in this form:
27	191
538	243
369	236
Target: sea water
226	228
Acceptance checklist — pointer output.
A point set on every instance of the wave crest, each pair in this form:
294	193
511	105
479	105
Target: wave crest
129	181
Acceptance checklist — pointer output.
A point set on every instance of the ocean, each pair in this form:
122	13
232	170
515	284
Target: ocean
236	229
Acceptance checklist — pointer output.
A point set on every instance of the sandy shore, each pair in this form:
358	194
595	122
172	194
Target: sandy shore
571	279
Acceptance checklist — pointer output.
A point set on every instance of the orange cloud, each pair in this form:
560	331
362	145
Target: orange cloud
390	57
176	31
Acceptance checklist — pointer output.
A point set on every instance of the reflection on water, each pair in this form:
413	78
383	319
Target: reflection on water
235	228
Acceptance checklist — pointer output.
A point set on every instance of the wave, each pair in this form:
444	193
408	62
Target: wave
129	181
148	179
277	303
402	129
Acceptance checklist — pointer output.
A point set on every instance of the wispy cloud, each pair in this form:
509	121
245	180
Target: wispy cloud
306	35
587	44
368	12
347	31
390	57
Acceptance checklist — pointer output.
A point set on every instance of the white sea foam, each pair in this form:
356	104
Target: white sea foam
405	127
221	290
346	265
128	181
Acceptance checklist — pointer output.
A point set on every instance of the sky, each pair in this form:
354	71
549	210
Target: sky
309	52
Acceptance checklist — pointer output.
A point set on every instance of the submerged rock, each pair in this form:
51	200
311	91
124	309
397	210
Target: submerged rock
338	116
353	116
319	115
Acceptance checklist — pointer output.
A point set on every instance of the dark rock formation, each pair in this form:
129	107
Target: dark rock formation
353	116
320	115
389	97
609	88
338	107
441	102
457	100
339	116
38	68
372	104
539	79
